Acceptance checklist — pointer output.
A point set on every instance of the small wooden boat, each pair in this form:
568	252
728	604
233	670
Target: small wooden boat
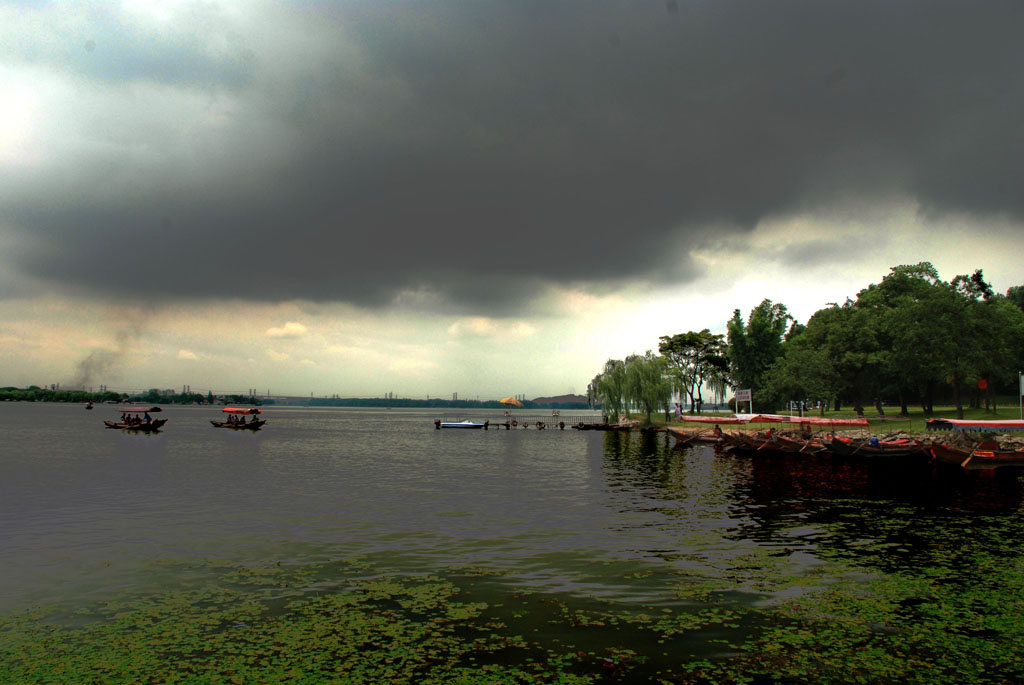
137	419
872	448
770	441
735	441
151	427
798	445
683	438
240	423
985	455
690	437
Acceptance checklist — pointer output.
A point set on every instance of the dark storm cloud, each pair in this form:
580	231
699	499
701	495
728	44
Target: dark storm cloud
475	152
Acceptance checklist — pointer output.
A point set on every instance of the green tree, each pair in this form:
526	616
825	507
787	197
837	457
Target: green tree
647	383
1000	347
694	357
845	334
608	388
907	342
755	345
1016	296
979	329
803	372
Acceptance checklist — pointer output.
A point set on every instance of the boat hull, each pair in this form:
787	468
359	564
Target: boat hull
688	438
977	459
745	443
461	424
883	450
251	425
151	427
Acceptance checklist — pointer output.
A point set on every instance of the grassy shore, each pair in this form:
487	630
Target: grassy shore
891	422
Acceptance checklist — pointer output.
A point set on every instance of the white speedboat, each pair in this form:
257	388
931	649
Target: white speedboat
461	424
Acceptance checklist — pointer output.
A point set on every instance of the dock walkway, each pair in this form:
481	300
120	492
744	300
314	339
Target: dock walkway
537	420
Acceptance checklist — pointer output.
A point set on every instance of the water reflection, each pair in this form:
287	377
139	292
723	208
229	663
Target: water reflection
891	516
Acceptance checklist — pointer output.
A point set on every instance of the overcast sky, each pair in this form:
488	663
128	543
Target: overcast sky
487	198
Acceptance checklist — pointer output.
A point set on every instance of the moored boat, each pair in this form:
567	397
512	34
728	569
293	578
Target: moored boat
683	438
873	447
689	437
738	441
461	424
797	444
236	419
984	455
770	441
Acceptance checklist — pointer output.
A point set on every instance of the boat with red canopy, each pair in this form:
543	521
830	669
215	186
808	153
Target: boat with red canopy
771	441
686	437
135	418
236	419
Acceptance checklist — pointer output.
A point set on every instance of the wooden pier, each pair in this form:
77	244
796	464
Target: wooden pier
535	421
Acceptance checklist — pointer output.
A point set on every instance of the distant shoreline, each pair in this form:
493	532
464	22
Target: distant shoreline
37	394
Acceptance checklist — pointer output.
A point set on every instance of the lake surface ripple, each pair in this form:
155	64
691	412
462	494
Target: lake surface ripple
91	515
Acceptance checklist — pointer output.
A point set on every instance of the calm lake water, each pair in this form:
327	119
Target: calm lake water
624	520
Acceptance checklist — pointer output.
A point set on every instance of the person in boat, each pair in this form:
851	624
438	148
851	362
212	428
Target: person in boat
717	432
149	419
770	433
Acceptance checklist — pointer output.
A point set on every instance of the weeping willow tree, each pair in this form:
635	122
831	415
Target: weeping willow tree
609	388
648	385
640	382
718	384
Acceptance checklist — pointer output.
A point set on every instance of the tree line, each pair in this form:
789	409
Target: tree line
34	393
910	340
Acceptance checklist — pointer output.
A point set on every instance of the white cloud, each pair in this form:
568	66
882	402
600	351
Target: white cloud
186	354
278	356
485	327
420	368
291	329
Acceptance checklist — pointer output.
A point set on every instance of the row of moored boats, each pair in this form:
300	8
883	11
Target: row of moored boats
957	449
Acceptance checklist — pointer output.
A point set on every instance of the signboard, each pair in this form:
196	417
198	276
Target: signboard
743	395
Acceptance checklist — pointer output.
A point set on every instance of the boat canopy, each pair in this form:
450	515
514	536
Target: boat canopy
241	410
776	418
763	418
974	425
713	419
822	421
138	410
